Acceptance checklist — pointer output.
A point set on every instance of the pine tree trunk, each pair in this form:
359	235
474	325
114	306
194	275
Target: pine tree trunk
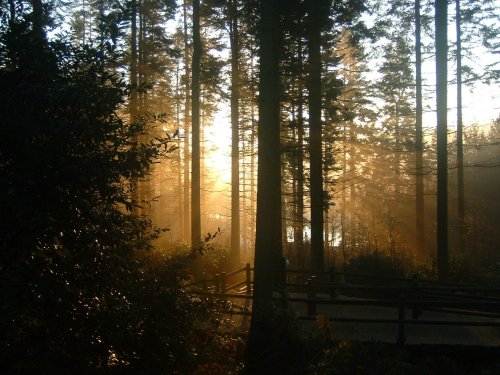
352	192
195	113
315	135
261	347
253	136
133	61
343	211
419	149
12	10
187	118
133	104
442	136
180	212
460	145
145	183
299	237
235	134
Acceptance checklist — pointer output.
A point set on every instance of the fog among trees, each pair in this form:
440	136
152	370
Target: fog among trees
148	144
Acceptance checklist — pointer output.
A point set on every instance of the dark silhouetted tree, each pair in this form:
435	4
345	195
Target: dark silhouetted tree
441	41
263	336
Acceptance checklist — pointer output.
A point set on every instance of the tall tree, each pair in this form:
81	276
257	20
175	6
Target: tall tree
235	131
134	100
316	13
187	117
460	144
195	129
441	42
299	215
419	160
396	90
268	245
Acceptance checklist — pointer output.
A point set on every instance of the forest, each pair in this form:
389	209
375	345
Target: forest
148	144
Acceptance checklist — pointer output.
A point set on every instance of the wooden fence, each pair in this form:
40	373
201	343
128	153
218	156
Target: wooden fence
403	295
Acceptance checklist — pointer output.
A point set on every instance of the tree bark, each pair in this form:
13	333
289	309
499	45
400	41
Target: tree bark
179	155
195	113
133	61
133	103
315	135
187	115
299	238
460	145
12	10
441	20
235	133
419	150
263	336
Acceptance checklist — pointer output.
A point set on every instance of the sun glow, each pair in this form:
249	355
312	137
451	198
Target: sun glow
218	151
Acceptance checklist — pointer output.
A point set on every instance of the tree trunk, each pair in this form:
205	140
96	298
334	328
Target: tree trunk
12	10
343	211
253	136
144	185
460	145
235	134
195	129
187	114
133	61
179	156
261	349
442	137
353	224
299	215
315	135
300	180
419	149
133	103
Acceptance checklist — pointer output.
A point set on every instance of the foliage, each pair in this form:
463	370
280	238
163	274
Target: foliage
282	348
375	263
473	268
80	290
346	357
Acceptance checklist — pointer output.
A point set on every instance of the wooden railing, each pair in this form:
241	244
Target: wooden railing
403	295
220	282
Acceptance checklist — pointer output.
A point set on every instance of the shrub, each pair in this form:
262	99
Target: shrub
80	292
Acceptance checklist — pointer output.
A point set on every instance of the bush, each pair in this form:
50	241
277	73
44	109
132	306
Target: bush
375	263
80	291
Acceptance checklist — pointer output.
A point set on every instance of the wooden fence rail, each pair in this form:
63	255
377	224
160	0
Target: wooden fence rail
408	295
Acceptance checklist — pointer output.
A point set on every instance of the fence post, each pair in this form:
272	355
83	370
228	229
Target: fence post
401	321
284	269
311	295
333	290
248	272
416	311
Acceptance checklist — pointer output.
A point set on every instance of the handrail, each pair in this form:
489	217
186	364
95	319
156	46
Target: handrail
340	273
413	295
401	303
236	272
241	283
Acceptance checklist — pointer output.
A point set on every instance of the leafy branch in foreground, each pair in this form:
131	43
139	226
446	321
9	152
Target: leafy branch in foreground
80	290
